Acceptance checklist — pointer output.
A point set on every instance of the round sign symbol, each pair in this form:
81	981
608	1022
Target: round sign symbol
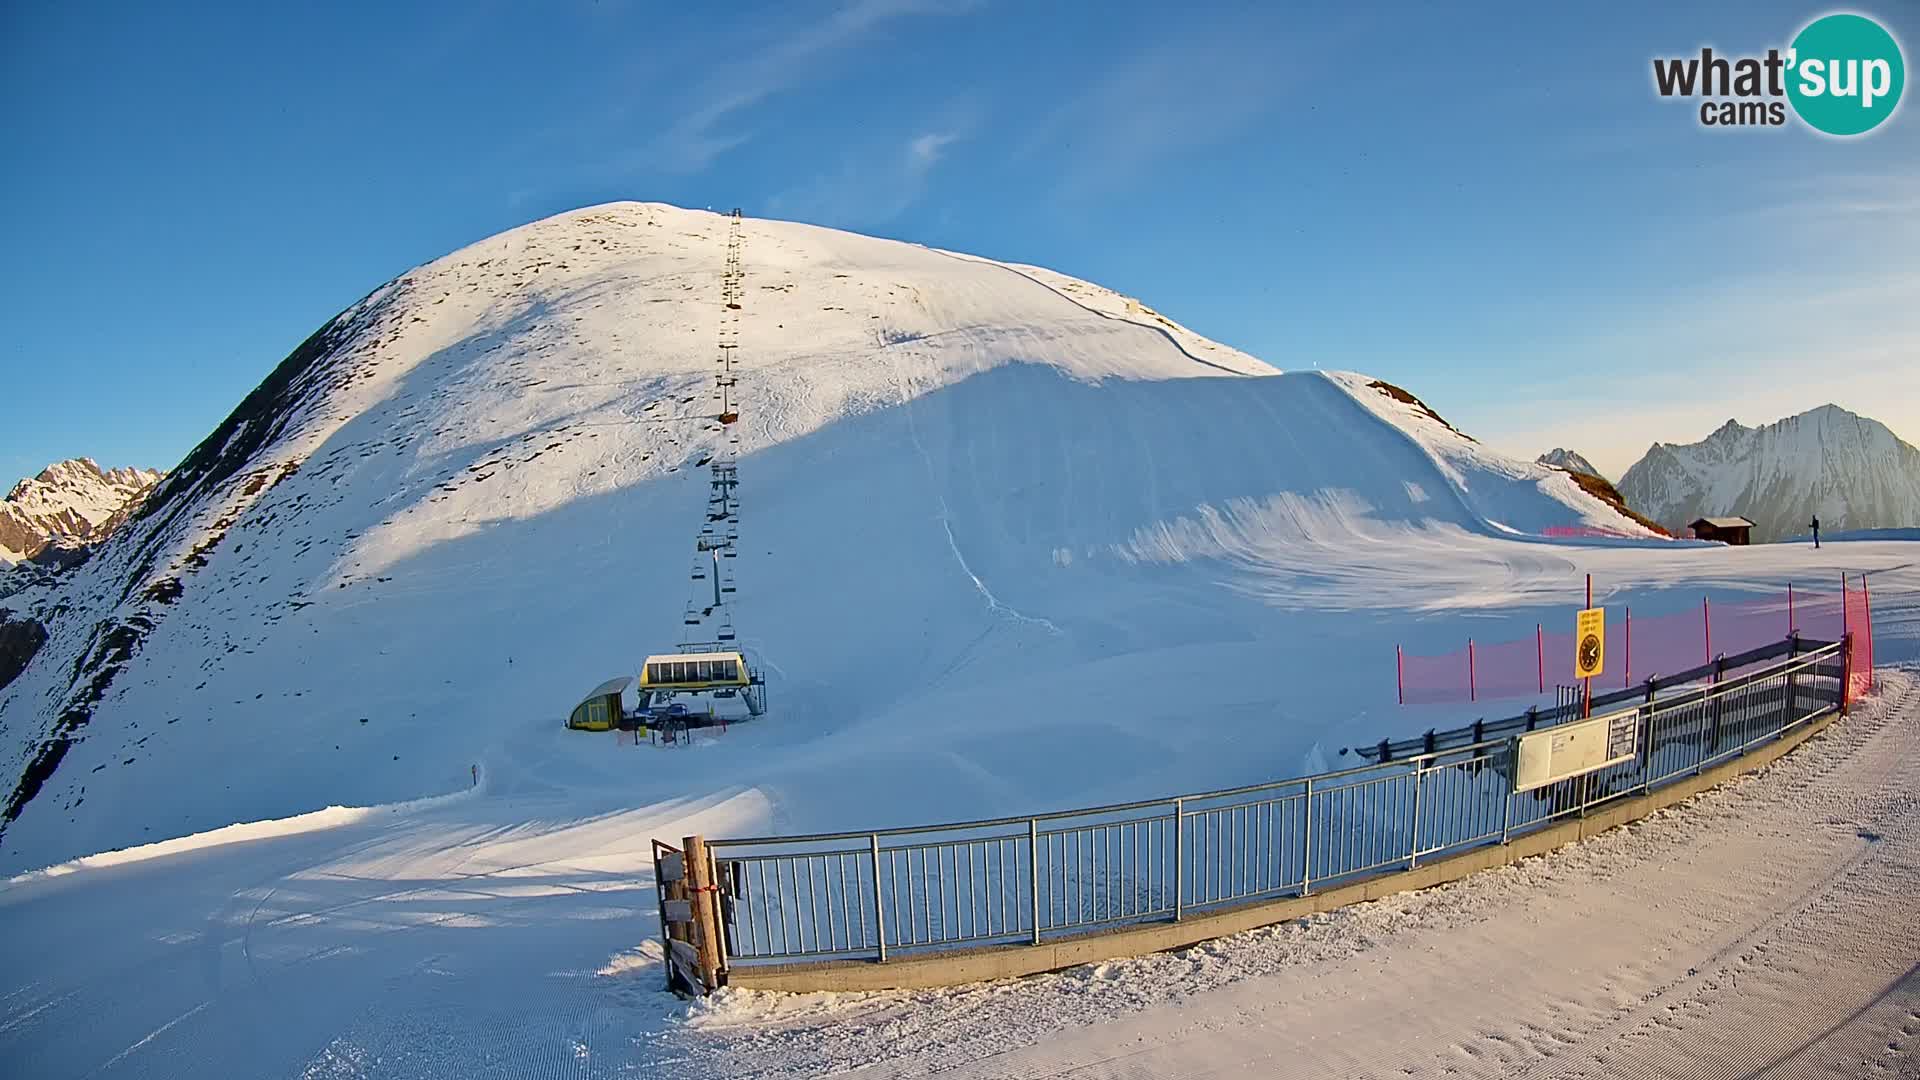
1589	652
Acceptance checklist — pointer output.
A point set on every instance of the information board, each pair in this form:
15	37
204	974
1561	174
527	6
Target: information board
1556	753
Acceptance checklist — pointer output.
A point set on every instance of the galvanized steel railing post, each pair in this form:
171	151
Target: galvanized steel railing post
1506	797
1306	839
1793	703
1179	858
1653	719
879	908
1033	872
1413	833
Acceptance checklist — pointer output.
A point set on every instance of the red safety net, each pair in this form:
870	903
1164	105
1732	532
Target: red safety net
1858	614
1589	532
1509	669
1638	646
1433	680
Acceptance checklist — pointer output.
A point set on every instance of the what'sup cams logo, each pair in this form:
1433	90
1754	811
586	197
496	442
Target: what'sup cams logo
1842	76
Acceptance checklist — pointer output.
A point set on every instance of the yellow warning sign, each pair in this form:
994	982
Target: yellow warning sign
1589	643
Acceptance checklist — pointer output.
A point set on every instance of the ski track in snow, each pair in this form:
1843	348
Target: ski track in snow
421	597
946	514
1762	929
500	440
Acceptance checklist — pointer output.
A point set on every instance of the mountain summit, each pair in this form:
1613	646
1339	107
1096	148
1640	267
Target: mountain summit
1562	458
979	502
1850	471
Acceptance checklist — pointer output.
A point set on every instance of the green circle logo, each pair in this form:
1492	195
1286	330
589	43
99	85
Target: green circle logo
1845	74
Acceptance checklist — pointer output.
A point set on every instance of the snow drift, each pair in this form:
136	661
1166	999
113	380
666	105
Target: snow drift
991	516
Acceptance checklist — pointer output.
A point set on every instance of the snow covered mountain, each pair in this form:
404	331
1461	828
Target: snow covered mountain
71	503
1567	459
1850	471
980	502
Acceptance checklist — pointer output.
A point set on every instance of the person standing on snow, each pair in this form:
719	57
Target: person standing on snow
1816	533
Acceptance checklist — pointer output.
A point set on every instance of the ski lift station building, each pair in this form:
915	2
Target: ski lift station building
600	709
694	671
722	674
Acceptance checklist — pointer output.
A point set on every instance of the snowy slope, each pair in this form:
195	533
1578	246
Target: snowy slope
1508	495
1850	471
510	931
979	500
69	503
1567	459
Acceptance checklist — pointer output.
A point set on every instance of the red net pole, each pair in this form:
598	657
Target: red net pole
1706	622
1866	610
1473	691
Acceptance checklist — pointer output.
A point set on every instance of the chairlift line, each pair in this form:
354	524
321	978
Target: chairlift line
707	625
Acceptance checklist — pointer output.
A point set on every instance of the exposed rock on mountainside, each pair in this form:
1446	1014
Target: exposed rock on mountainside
20	638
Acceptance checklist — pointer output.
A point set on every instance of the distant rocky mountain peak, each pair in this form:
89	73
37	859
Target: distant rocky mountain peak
70	504
1562	458
1849	470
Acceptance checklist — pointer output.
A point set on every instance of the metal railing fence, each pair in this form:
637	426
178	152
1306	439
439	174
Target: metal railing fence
882	894
1568	704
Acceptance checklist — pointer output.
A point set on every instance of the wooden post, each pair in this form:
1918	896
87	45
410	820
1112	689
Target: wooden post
673	892
706	913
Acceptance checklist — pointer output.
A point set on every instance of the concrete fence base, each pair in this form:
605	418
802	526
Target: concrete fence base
1011	961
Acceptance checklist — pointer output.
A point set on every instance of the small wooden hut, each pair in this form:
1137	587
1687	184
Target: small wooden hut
1727	530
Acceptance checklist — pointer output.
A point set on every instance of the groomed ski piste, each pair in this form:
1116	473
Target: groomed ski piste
1011	543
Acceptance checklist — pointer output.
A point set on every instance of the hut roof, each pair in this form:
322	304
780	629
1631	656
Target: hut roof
611	686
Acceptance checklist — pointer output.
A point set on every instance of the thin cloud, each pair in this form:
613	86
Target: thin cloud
1181	94
1760	349
1613	430
711	127
924	151
870	187
1871	203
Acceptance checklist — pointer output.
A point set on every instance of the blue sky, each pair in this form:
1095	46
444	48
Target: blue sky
1485	203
